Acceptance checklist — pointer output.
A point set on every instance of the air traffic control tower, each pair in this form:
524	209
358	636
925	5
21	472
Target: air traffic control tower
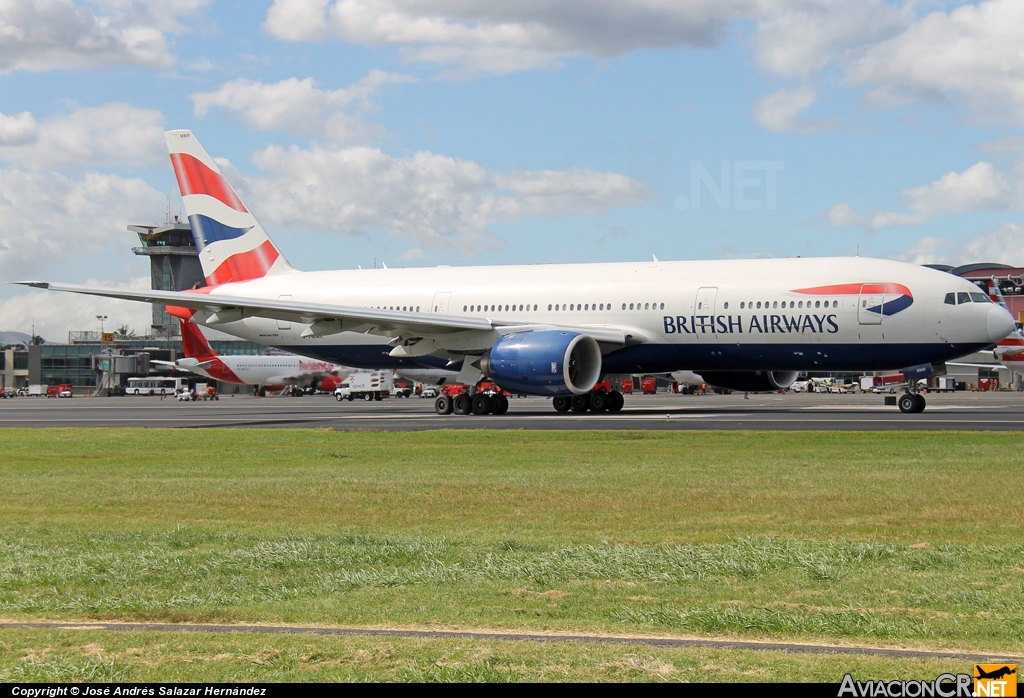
174	265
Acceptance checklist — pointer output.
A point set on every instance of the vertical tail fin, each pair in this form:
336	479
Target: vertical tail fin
194	343
232	244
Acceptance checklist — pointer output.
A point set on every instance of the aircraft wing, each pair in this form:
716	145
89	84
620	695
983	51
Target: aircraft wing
327	319
998	367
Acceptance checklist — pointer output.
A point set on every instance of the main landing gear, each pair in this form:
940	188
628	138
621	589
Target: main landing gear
595	401
479	404
911	403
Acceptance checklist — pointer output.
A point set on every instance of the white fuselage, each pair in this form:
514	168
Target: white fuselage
713	315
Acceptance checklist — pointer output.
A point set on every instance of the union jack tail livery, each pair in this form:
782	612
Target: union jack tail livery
232	244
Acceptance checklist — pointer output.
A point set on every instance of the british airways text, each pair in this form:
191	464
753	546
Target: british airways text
757	324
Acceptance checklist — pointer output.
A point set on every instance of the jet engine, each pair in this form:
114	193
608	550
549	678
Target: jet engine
753	381
549	362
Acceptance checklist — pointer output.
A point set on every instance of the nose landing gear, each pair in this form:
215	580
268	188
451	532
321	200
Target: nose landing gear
911	403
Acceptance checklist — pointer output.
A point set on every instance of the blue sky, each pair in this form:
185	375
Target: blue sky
436	132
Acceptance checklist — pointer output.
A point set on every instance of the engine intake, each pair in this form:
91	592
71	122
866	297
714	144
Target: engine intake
752	381
549	362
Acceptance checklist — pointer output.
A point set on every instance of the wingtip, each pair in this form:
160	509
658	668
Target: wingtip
33	284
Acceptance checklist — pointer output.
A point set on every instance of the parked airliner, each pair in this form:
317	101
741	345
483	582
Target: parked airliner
557	329
267	372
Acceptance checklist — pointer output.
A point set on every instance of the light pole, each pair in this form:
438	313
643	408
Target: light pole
101	318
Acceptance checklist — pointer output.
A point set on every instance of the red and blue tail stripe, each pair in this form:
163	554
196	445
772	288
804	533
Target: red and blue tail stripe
233	245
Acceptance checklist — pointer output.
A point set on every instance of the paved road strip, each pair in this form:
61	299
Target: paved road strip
801	648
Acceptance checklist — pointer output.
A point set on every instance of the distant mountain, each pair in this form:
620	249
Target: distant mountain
14	338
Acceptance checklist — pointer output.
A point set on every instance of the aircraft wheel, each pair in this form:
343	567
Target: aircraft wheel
499	404
615	401
462	404
580	403
443	405
598	401
921	404
482	404
907	403
562	403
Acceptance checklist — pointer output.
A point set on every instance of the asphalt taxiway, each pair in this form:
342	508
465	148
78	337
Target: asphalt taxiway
793	411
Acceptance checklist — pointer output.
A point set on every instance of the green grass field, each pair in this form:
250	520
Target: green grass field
887	539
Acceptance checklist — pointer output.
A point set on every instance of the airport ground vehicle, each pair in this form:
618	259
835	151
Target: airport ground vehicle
367	385
743	325
155	385
401	389
428	391
64	390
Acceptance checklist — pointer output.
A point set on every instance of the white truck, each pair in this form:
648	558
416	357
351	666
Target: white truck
368	385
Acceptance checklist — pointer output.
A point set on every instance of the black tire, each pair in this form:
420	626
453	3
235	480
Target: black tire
598	401
461	404
500	404
350	397
921	403
482	404
562	404
339	398
580	403
615	401
907	403
378	397
443	404
368	397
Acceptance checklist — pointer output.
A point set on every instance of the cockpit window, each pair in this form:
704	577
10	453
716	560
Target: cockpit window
963	297
980	298
950	299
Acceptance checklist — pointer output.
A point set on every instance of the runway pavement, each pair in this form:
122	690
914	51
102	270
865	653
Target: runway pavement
794	411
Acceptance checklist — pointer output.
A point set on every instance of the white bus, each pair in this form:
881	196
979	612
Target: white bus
155	386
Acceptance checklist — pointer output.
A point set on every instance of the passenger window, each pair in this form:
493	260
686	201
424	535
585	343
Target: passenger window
549	306
962	297
726	305
742	305
980	298
759	305
646	307
623	306
950	299
775	304
817	304
630	306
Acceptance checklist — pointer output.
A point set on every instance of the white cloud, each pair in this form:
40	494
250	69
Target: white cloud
971	53
50	218
18	129
806	37
430	200
978	188
1003	243
299	107
104	136
781	111
38	35
844	216
55	314
502	37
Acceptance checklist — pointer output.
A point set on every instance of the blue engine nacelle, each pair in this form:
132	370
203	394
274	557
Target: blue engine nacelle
551	362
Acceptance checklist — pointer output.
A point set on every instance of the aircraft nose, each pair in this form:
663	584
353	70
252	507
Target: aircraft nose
999	323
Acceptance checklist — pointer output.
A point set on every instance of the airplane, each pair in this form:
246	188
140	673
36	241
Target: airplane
556	330
267	372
